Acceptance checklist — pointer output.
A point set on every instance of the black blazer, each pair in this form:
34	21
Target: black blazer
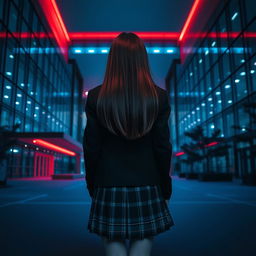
112	160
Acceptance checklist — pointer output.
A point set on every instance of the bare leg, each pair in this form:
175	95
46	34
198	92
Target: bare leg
141	247
114	247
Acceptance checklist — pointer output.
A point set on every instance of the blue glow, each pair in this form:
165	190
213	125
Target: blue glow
77	51
105	50
8	73
234	16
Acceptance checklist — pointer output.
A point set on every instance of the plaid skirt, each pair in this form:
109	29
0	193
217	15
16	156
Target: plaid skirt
129	212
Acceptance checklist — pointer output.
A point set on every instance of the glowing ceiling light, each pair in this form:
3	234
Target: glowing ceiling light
227	86
237	81
77	50
53	147
156	50
91	50
104	51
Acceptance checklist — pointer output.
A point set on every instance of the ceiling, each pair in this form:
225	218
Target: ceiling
116	15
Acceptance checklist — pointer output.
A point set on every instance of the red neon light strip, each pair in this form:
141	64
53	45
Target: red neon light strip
112	35
189	19
207	145
211	144
179	153
53	147
145	35
56	9
56	24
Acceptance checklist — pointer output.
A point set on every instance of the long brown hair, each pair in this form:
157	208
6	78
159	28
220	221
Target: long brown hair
128	101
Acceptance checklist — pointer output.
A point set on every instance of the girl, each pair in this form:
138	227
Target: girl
127	152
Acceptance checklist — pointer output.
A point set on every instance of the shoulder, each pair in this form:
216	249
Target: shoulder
91	99
94	91
163	95
92	94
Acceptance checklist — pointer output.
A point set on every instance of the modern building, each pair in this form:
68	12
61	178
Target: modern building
41	91
211	82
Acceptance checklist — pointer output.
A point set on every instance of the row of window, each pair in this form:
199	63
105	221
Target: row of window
35	85
221	73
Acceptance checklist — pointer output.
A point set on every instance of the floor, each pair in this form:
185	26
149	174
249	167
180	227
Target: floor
49	217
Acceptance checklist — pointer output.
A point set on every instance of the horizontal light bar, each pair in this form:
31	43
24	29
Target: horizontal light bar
53	147
74	36
105	50
84	36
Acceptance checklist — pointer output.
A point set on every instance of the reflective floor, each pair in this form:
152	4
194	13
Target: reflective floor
45	217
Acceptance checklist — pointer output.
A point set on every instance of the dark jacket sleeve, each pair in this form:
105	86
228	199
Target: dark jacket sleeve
91	143
163	147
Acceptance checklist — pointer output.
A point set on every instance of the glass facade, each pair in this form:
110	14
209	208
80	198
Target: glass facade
39	90
214	83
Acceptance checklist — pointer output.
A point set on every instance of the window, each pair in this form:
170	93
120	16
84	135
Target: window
239	80
227	89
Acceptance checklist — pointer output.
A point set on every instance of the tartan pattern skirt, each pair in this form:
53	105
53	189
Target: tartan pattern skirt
129	212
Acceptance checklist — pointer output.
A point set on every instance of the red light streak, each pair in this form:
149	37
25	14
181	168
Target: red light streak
179	153
53	147
145	35
211	144
207	145
189	19
56	9
111	35
55	21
